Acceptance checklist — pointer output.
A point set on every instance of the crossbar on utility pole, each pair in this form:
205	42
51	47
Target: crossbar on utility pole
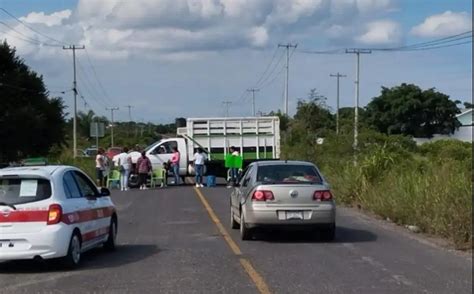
287	46
227	106
253	90
338	76
74	89
358	52
112	109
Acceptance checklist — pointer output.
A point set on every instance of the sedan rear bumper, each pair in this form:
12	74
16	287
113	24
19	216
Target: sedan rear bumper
290	216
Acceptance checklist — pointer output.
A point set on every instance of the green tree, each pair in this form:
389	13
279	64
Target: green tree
409	110
30	122
314	115
468	105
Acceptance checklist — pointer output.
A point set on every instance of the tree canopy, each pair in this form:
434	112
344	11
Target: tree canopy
30	122
409	110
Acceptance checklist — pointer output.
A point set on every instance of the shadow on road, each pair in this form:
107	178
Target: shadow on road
343	235
94	259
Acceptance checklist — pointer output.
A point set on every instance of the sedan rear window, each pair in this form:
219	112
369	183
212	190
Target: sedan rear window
287	174
23	190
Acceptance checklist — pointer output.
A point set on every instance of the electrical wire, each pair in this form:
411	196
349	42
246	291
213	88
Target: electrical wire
106	95
32	29
25	37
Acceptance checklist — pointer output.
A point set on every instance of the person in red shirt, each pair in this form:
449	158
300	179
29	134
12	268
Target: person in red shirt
143	169
175	165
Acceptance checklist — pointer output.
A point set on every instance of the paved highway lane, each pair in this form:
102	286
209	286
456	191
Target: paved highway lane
176	240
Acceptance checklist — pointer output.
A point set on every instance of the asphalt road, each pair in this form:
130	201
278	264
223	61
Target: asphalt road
175	240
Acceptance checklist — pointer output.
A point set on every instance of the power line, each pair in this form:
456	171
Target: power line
268	67
97	77
90	87
32	29
24	37
445	42
265	80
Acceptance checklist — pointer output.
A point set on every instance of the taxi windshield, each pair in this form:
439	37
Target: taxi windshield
23	190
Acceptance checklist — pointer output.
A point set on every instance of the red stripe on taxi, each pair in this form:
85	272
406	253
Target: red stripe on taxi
17	216
23	216
95	234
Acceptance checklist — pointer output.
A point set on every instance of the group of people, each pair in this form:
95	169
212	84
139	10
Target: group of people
143	167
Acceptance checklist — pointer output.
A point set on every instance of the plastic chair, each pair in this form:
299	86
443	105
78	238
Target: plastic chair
157	175
114	178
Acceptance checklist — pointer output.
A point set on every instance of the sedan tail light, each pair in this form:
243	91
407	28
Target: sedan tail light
54	214
323	195
262	195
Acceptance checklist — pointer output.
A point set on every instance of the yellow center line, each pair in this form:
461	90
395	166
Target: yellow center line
256	278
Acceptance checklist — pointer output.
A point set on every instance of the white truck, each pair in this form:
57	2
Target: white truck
256	138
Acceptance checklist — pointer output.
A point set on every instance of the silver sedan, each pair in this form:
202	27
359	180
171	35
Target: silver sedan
282	193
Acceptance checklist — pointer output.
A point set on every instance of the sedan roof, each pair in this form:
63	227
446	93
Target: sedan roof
282	162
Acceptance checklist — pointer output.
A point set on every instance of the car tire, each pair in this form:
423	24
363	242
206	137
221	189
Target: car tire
329	232
110	244
73	257
233	224
245	232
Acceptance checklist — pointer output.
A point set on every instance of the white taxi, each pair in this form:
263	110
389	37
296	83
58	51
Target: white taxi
53	212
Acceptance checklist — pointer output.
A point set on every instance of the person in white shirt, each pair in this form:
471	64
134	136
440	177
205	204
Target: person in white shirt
124	163
100	166
199	160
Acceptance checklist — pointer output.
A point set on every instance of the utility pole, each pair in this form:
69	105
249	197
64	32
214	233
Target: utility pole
358	52
287	46
338	75
74	89
227	106
112	109
129	112
129	118
253	90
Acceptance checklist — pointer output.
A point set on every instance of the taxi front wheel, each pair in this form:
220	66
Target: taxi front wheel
73	257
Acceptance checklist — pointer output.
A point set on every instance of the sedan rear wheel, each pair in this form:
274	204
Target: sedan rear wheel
233	224
245	232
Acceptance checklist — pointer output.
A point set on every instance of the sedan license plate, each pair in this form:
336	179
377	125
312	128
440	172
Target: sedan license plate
294	215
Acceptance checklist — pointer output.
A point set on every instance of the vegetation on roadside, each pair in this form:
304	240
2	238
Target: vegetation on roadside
429	186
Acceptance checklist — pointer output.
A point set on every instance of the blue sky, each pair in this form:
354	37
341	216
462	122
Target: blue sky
171	58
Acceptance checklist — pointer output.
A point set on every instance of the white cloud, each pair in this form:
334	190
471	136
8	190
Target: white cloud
175	27
444	24
381	32
53	19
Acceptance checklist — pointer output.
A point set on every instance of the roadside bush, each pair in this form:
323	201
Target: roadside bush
428	186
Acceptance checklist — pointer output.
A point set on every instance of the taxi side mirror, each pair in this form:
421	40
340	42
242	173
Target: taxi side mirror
104	192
